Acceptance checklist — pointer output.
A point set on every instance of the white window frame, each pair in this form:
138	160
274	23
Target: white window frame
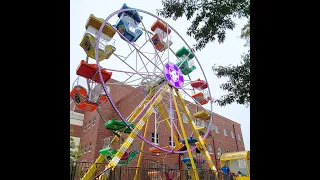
205	124
184	118
216	129
85	149
199	123
94	120
89	147
225	132
155	138
219	153
232	134
153	164
85	127
170	142
89	123
106	142
210	150
239	138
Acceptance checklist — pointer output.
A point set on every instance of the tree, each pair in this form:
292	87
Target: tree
238	84
211	19
245	33
75	151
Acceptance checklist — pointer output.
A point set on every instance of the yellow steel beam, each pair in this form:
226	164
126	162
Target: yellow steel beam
165	116
185	138
142	146
93	168
196	133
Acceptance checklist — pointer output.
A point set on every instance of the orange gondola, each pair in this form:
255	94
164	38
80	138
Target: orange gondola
199	97
79	96
161	32
160	25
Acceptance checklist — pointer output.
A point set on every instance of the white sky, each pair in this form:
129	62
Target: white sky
222	54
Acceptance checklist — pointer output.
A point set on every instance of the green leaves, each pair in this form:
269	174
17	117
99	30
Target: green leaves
173	9
75	151
211	18
245	33
238	84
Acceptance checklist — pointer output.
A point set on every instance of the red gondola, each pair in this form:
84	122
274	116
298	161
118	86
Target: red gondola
199	84
90	71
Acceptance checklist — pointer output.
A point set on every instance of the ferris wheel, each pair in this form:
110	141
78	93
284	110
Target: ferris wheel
159	77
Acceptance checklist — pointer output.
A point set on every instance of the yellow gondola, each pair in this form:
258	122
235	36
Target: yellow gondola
88	44
204	115
97	22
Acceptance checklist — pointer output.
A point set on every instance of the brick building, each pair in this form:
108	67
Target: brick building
76	123
94	136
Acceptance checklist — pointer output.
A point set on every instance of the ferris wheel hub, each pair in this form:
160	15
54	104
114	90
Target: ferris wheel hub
173	75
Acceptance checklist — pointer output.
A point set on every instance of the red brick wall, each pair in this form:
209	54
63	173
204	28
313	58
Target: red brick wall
89	135
76	131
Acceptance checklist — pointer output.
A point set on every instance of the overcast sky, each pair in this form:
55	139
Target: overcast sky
222	54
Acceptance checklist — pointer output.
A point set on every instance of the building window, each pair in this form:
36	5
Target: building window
200	124
170	141
153	165
169	113
209	148
225	131
219	153
107	142
93	120
154	139
206	124
85	126
213	127
184	118
232	134
108	89
89	124
216	129
227	150
85	149
89	148
239	137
